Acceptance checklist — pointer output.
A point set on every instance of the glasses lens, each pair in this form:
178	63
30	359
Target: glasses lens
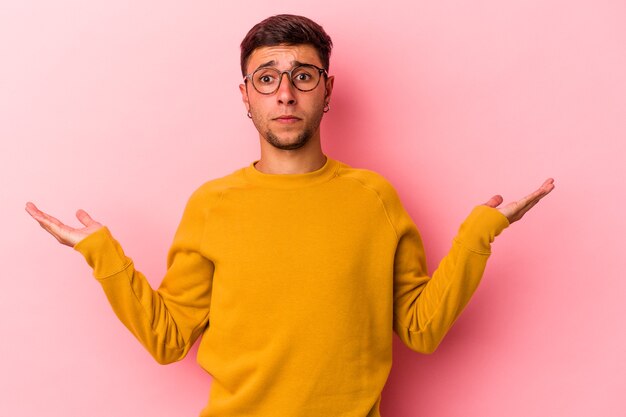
305	77
265	80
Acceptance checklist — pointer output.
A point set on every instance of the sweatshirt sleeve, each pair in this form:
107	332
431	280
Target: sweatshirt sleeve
168	320
425	308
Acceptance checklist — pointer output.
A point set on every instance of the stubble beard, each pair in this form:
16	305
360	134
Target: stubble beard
302	139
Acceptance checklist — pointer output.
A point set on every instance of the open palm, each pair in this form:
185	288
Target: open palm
515	210
64	234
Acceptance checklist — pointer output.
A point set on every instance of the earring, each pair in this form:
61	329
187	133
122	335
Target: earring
249	115
326	108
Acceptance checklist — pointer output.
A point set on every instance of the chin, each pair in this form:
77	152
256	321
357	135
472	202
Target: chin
288	145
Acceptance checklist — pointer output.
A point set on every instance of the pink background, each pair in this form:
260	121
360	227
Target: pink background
124	109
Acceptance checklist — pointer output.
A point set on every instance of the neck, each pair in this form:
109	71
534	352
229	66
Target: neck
297	161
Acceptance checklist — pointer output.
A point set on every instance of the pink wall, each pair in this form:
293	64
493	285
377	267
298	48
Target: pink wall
123	108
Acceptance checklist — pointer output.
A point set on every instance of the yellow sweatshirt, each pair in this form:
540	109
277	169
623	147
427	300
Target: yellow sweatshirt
295	283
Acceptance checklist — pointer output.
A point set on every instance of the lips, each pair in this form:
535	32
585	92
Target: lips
287	118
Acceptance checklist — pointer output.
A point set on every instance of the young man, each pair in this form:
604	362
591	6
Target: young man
296	268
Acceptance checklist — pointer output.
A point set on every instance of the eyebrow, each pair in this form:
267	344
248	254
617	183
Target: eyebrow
273	63
267	64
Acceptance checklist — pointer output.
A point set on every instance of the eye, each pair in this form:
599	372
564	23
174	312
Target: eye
265	79
265	76
303	76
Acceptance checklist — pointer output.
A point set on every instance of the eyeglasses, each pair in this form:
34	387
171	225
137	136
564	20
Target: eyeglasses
305	77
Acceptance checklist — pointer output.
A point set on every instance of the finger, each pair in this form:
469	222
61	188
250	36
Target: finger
50	219
59	232
528	207
494	201
40	216
547	186
532	199
85	218
54	230
538	194
50	224
32	210
519	213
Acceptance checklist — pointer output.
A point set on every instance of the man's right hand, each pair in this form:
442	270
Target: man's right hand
64	234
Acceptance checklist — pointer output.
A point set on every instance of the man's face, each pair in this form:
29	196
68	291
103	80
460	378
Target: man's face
288	118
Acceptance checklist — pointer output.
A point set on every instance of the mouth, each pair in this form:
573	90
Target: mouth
287	118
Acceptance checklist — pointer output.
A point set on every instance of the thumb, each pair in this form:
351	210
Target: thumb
494	201
85	218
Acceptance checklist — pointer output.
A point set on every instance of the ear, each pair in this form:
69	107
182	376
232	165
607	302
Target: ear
244	96
330	81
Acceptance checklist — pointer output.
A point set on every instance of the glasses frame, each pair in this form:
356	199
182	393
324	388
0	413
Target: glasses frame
250	76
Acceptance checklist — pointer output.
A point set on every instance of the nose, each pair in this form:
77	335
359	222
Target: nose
285	93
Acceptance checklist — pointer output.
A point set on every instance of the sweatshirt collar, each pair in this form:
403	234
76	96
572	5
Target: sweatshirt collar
286	181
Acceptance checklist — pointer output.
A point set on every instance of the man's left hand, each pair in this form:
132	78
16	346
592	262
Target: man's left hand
515	210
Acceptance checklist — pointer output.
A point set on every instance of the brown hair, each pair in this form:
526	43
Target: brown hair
286	29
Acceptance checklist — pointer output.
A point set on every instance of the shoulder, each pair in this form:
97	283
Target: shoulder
369	180
377	185
212	190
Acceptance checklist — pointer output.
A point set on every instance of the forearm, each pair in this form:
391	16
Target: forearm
425	314
144	311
